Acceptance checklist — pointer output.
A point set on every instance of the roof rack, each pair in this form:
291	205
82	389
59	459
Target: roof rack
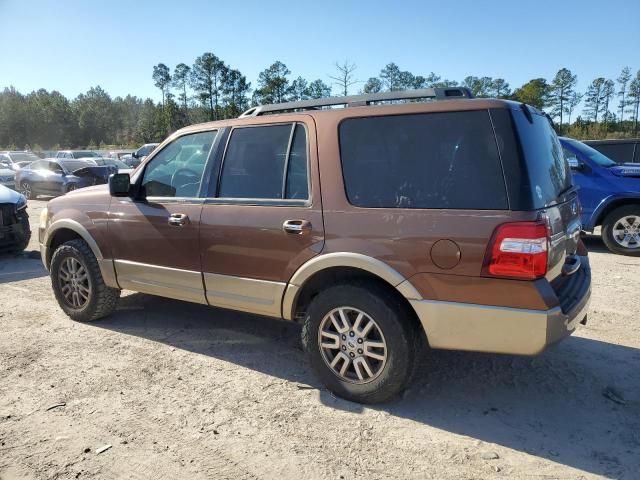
360	100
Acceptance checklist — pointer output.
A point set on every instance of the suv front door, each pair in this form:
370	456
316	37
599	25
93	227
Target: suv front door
263	216
155	234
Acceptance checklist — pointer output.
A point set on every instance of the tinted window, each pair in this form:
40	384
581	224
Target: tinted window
297	178
73	165
254	165
547	169
54	167
592	154
436	160
618	152
38	165
177	170
83	154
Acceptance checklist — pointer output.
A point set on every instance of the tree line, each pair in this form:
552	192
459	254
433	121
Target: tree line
211	89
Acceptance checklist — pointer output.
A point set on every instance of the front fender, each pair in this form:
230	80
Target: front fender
605	203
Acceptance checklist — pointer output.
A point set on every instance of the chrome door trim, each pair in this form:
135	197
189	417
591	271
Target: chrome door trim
261	297
161	281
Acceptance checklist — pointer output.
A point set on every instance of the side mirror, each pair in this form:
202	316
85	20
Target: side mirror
119	184
574	163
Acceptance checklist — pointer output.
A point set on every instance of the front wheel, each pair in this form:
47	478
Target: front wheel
361	342
78	284
621	230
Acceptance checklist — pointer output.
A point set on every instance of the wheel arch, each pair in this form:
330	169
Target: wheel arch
64	230
325	270
609	206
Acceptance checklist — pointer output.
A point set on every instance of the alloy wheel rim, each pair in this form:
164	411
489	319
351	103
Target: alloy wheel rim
26	190
626	232
75	285
352	345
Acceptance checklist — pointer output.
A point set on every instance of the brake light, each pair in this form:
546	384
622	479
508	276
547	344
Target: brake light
518	250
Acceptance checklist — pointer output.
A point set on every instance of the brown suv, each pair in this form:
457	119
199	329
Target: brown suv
382	226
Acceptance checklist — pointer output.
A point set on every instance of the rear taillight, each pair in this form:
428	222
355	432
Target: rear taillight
518	250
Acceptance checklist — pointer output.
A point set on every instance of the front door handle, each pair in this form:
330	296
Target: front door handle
178	219
296	227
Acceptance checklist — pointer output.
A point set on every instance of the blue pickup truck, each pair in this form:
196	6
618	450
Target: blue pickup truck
609	194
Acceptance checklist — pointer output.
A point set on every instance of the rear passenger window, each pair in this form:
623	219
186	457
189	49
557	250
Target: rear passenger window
435	160
266	162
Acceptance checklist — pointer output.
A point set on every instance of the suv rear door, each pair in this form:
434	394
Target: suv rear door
154	235
263	215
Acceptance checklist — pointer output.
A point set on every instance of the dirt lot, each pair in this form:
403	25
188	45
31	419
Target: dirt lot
182	391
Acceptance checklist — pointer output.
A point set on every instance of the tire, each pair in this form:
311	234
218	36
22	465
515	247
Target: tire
27	190
100	299
618	238
23	240
397	330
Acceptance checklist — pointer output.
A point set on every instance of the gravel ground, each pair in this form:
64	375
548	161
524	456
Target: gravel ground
177	390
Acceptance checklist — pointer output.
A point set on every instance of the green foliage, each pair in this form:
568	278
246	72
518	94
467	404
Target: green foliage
273	84
206	80
535	93
373	85
211	90
560	90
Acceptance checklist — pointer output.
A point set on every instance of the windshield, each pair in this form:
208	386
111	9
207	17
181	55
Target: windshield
17	157
84	154
592	154
73	165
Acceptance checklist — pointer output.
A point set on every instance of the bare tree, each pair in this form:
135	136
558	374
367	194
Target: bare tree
344	78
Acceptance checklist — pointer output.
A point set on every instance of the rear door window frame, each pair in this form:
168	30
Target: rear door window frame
214	188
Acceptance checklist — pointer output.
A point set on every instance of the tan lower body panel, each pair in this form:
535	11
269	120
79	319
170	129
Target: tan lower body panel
161	281
482	328
246	294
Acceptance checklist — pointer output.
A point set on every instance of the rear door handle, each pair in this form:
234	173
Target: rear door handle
296	227
178	219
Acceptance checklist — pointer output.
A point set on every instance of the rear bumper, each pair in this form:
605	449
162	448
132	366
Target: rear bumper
484	328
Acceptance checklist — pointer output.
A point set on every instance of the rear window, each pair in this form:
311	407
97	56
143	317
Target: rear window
434	160
547	169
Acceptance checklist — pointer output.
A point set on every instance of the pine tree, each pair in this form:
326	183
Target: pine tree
623	80
560	90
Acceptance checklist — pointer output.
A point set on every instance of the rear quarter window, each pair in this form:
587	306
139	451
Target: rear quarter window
432	161
547	169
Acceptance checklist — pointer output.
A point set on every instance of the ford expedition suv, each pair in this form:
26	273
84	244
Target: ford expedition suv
403	220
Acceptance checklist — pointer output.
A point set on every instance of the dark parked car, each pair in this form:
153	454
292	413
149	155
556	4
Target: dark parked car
625	150
609	194
449	223
59	176
14	221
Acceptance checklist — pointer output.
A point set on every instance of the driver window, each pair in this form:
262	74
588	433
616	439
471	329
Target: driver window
55	168
177	170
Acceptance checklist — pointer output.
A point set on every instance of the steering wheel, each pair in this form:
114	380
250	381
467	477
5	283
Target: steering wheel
189	177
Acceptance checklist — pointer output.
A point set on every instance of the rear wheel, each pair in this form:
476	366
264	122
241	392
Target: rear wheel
361	342
27	190
78	284
621	230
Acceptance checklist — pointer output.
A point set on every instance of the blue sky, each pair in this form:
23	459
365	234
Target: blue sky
72	45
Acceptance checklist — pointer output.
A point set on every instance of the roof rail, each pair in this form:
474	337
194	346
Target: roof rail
360	100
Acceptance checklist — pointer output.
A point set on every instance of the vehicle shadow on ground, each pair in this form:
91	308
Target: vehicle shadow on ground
577	404
18	267
594	243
